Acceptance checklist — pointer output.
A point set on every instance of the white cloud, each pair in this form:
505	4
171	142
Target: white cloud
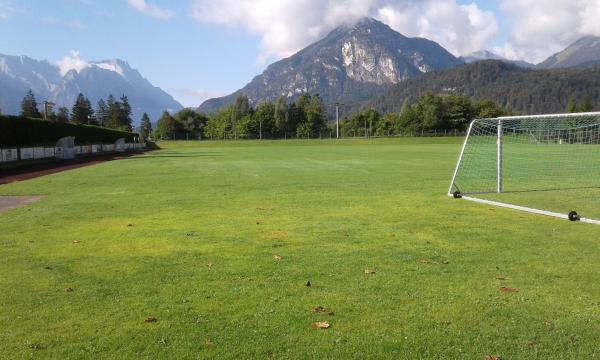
7	10
73	61
461	29
150	9
540	28
286	26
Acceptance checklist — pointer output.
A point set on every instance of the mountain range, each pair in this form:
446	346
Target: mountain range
96	80
362	64
350	65
529	91
357	64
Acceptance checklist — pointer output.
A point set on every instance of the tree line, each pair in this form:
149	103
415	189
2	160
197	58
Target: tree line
306	117
430	113
112	113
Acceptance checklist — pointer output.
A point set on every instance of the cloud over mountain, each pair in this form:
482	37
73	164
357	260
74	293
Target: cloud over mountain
286	26
540	28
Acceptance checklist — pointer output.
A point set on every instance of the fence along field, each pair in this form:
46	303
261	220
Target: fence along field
23	140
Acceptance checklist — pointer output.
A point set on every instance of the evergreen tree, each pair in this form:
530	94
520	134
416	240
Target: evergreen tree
29	106
125	115
82	111
63	115
101	113
145	127
114	113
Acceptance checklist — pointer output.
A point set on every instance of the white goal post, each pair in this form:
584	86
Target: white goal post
542	164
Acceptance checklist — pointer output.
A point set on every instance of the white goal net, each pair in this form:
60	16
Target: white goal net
546	164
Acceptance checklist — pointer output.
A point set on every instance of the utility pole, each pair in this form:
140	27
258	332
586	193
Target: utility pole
47	108
337	119
260	129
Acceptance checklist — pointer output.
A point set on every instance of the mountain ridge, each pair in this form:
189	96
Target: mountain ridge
350	65
506	84
95	80
584	52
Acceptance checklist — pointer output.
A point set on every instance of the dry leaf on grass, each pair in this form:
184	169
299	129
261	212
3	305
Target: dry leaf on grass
508	289
424	262
69	289
493	357
261	209
444	262
530	344
76	242
209	265
321	325
369	271
209	343
501	278
276	257
151	319
318	309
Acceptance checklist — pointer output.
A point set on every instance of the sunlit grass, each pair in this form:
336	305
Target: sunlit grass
188	235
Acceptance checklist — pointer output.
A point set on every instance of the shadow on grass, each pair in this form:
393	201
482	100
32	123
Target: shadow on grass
177	155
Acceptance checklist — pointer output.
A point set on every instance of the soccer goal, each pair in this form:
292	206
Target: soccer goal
543	164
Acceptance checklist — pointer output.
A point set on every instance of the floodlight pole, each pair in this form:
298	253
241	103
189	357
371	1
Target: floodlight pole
499	158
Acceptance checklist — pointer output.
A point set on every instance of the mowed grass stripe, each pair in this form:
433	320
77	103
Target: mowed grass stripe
207	218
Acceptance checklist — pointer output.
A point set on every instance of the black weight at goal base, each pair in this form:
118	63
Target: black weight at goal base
541	164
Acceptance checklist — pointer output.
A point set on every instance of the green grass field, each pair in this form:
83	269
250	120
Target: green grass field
189	235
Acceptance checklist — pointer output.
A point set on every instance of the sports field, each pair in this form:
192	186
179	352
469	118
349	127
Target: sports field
204	250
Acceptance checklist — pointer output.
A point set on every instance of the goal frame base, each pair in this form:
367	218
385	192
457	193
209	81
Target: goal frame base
526	209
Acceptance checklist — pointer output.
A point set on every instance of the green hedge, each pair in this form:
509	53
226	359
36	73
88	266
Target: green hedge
20	131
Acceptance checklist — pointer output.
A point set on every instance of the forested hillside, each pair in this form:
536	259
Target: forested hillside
515	89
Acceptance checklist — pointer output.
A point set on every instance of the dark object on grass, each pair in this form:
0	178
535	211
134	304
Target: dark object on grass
308	284
151	319
573	216
457	195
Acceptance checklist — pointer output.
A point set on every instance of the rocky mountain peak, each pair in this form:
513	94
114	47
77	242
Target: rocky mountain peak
352	63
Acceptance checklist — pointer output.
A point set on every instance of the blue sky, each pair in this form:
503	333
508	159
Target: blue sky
195	49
